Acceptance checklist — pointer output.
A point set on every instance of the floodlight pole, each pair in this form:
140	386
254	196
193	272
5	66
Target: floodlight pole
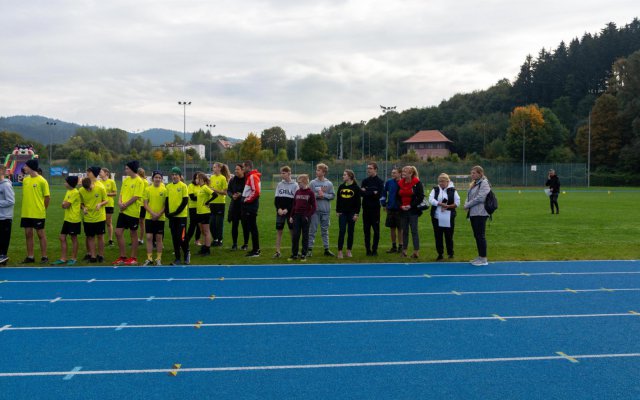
363	122
184	105
589	155
210	126
51	124
386	110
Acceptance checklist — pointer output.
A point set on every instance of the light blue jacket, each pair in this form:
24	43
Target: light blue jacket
7	199
475	198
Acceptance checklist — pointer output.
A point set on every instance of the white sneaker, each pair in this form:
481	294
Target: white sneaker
474	260
480	262
158	263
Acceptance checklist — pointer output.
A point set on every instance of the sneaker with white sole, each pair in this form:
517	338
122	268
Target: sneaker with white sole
158	263
474	260
480	262
147	263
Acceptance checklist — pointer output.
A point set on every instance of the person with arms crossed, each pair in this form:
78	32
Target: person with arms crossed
283	201
250	205
323	189
35	201
372	188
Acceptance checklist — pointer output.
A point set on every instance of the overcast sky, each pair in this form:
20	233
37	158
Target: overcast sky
247	65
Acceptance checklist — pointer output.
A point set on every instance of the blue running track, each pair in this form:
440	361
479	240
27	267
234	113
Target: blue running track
530	330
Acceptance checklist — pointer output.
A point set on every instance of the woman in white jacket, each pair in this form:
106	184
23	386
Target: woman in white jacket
476	212
444	200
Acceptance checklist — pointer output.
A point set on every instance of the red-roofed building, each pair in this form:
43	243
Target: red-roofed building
224	145
429	144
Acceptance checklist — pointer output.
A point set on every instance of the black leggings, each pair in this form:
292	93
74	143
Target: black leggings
178	227
251	224
300	228
193	225
553	201
371	220
216	221
346	224
479	225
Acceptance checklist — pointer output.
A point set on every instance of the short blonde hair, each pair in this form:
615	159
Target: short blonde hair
304	178
323	167
444	177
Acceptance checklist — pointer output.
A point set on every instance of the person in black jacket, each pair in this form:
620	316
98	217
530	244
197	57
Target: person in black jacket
234	190
347	208
554	187
372	188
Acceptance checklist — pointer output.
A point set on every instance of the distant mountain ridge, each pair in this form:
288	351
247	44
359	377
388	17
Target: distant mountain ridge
34	127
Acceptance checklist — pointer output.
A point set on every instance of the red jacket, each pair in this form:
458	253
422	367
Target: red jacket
251	190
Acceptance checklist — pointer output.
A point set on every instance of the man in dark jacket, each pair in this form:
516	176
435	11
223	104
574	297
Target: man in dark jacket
371	189
554	188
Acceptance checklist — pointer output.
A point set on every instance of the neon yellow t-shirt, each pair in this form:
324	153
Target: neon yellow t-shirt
111	187
193	189
132	187
90	199
72	214
176	192
34	190
203	196
155	196
219	182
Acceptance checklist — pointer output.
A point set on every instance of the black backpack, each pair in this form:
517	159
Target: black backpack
491	202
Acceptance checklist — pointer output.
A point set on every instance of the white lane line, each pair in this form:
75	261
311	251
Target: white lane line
314	296
4	328
55	300
71	374
91	280
294	278
493	317
318	366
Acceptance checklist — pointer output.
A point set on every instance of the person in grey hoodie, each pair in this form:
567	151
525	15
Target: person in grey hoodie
323	189
7	201
474	205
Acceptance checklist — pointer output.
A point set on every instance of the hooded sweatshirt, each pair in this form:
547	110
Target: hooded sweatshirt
251	192
323	203
285	191
7	199
348	201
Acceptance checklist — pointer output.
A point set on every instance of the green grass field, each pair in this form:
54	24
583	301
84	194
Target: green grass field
594	224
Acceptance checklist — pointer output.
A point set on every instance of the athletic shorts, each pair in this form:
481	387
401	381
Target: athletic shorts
143	212
154	227
393	219
108	210
35	223
203	218
281	220
127	222
94	228
71	228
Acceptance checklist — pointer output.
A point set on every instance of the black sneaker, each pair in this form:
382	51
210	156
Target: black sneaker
439	258
255	253
293	257
328	253
451	256
28	260
392	250
368	253
100	259
3	259
303	258
44	260
234	247
176	262
244	247
110	243
374	253
86	257
93	260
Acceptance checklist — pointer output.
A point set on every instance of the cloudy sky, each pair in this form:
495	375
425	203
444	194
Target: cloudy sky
247	65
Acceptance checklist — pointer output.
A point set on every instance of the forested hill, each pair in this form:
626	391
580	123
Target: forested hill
565	82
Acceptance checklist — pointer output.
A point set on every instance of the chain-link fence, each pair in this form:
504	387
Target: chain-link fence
499	173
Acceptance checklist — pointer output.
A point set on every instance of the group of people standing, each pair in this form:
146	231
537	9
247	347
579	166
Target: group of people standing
198	210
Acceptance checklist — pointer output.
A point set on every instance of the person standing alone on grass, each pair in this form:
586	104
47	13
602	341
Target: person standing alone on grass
323	189
444	200
132	191
35	201
250	204
154	202
554	190
304	205
235	189
389	202
372	189
285	192
93	198
112	192
72	225
218	182
176	203
7	202
477	214
347	208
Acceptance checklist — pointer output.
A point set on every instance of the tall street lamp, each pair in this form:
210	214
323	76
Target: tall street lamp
51	124
524	130
386	110
210	126
363	122
184	105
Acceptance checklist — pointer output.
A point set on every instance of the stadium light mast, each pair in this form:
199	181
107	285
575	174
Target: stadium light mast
363	122
524	130
184	105
589	154
210	126
386	110
50	124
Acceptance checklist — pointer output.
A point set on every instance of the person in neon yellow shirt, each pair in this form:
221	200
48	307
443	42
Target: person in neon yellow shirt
218	182
132	190
143	211
72	225
94	198
176	210
194	188
112	192
35	201
93	173
205	195
154	203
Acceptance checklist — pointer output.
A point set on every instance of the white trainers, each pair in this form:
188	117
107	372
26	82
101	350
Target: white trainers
158	263
474	260
480	262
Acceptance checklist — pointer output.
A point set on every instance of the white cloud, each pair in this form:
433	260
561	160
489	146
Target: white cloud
253	64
